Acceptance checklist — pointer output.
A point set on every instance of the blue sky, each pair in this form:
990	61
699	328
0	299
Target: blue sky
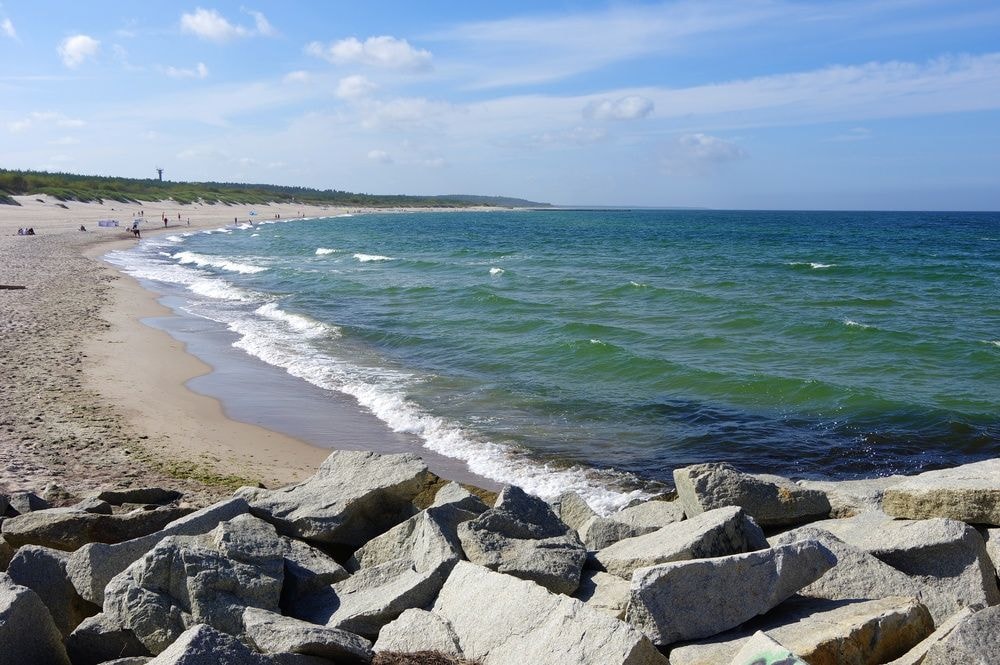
884	104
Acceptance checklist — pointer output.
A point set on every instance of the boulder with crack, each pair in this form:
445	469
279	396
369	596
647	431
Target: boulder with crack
203	645
968	493
43	570
600	532
70	528
272	633
28	636
975	639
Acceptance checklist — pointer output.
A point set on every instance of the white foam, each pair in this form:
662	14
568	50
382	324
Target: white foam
365	258
994	342
254	235
298	323
856	324
638	285
175	239
195	280
215	262
323	251
496	272
813	264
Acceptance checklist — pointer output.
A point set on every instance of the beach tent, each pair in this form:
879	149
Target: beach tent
107	222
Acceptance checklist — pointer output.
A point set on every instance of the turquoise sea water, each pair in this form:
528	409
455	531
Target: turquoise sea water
601	349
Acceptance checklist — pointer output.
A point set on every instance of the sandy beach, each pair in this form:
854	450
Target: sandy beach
92	397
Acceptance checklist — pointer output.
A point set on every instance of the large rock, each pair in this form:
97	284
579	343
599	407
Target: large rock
522	536
146	495
600	532
718	532
691	599
419	630
6	554
761	649
853	497
969	493
455	495
28	636
992	539
824	632
573	510
401	569
501	620
189	580
43	570
770	500
916	655
92	566
952	553
98	640
353	497
203	645
273	633
975	640
307	570
860	575
604	592
26	502
69	528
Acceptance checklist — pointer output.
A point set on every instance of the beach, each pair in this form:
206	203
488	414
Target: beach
94	398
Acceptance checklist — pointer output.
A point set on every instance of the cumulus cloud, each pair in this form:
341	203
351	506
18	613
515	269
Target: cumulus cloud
692	154
43	119
200	71
354	87
298	76
632	107
380	156
383	51
210	25
7	27
74	50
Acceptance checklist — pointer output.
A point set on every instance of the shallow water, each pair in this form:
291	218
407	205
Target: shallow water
598	350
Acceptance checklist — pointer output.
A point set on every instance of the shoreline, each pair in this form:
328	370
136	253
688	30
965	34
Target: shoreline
151	427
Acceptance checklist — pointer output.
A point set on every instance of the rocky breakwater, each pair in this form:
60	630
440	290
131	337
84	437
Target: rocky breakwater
376	560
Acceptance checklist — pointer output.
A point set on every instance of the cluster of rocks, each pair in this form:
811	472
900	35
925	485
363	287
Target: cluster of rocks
376	560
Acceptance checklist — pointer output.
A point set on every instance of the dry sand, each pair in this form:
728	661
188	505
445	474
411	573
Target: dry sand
91	398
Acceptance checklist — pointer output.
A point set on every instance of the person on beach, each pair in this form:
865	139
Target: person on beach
83	228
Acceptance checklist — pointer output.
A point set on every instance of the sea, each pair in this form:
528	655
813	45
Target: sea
598	350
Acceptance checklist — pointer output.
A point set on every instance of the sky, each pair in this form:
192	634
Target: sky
766	104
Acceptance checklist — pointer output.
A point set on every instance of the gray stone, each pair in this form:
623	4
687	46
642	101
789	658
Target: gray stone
190	580
522	536
853	497
26	502
156	495
456	495
28	636
916	655
354	496
975	640
401	569
94	505
688	600
951	552
43	570
992	539
6	554
4	504
272	633
718	532
823	631
69	529
968	493
761	649
307	570
203	645
860	575
97	640
603	592
770	500
499	619
600	532
418	630
130	660
573	510
92	566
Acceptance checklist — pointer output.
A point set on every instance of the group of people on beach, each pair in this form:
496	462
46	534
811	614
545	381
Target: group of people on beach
30	231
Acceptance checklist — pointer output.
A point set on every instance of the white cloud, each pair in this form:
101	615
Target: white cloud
299	76
74	50
575	136
383	51
695	153
210	25
406	112
7	27
354	87
43	119
200	71
631	107
380	156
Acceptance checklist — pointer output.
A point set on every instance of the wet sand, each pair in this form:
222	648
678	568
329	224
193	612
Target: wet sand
95	398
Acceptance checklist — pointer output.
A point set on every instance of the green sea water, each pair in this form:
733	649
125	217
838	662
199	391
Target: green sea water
609	347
